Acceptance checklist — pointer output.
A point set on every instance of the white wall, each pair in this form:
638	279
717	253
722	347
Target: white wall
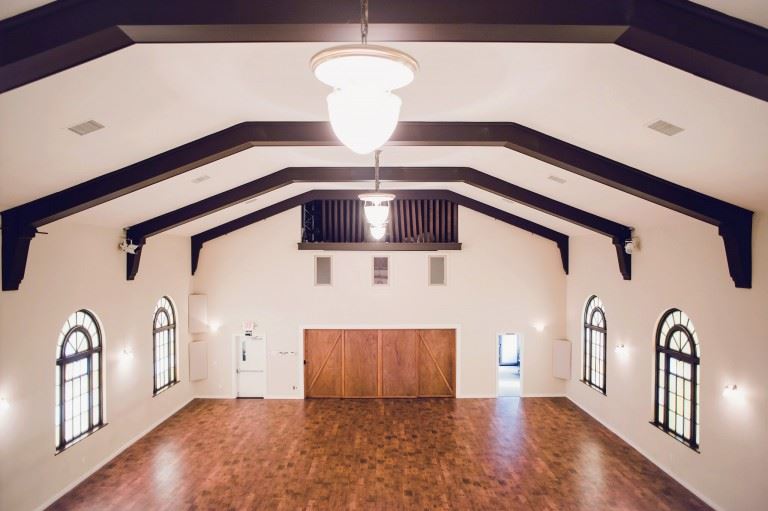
684	269
78	267
503	280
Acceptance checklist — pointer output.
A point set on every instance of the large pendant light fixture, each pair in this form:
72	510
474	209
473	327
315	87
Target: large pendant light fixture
362	108
376	205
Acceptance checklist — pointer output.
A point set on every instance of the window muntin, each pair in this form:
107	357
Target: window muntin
164	340
677	408
79	405
594	356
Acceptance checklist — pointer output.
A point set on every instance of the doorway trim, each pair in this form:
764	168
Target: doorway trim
521	345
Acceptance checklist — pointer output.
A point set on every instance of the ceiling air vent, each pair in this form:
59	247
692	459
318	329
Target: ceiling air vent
200	179
86	127
666	128
557	179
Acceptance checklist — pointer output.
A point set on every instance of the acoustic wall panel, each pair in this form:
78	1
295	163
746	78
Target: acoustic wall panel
198	314
561	359
198	360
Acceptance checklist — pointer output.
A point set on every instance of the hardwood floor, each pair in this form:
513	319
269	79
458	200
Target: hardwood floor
539	454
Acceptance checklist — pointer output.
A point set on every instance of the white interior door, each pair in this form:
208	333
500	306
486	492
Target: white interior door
251	366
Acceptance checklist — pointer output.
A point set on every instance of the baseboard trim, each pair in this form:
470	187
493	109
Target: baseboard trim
543	395
650	458
284	397
112	456
216	396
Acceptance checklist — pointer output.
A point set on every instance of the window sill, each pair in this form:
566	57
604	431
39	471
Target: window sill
160	391
596	389
79	439
674	437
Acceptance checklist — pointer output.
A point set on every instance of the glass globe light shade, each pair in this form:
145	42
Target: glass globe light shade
376	206
362	109
378	231
363	119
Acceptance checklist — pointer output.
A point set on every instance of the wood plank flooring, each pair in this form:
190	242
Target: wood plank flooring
473	454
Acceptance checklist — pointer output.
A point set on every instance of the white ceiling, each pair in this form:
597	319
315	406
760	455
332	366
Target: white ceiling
601	97
10	8
754	11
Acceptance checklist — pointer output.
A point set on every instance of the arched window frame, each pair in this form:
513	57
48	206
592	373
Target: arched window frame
594	352
164	346
675	322
86	361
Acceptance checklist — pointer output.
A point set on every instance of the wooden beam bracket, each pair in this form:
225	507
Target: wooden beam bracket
16	238
133	260
737	238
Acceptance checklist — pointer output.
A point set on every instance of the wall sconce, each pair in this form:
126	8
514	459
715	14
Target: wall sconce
213	326
4	404
539	326
730	390
621	348
127	353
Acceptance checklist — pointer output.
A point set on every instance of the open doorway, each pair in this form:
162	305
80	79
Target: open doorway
508	365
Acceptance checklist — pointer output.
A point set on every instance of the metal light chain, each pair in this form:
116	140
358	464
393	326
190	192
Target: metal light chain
376	155
364	21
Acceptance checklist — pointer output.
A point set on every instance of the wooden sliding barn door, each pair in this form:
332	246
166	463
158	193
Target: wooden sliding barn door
399	363
361	363
380	363
323	363
437	363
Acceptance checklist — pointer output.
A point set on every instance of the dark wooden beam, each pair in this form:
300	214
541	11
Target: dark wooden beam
734	222
198	240
698	40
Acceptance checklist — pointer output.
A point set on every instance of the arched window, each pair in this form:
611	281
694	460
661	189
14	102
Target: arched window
677	377
595	329
79	402
164	335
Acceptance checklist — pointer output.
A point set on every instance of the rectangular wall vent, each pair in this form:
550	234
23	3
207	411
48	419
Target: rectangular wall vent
200	179
437	271
323	270
86	127
665	128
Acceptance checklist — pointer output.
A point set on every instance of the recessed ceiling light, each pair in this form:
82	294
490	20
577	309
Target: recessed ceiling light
556	179
86	127
200	179
666	128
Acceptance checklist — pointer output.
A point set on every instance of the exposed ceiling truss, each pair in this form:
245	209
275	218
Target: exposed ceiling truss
198	240
734	223
682	34
617	233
